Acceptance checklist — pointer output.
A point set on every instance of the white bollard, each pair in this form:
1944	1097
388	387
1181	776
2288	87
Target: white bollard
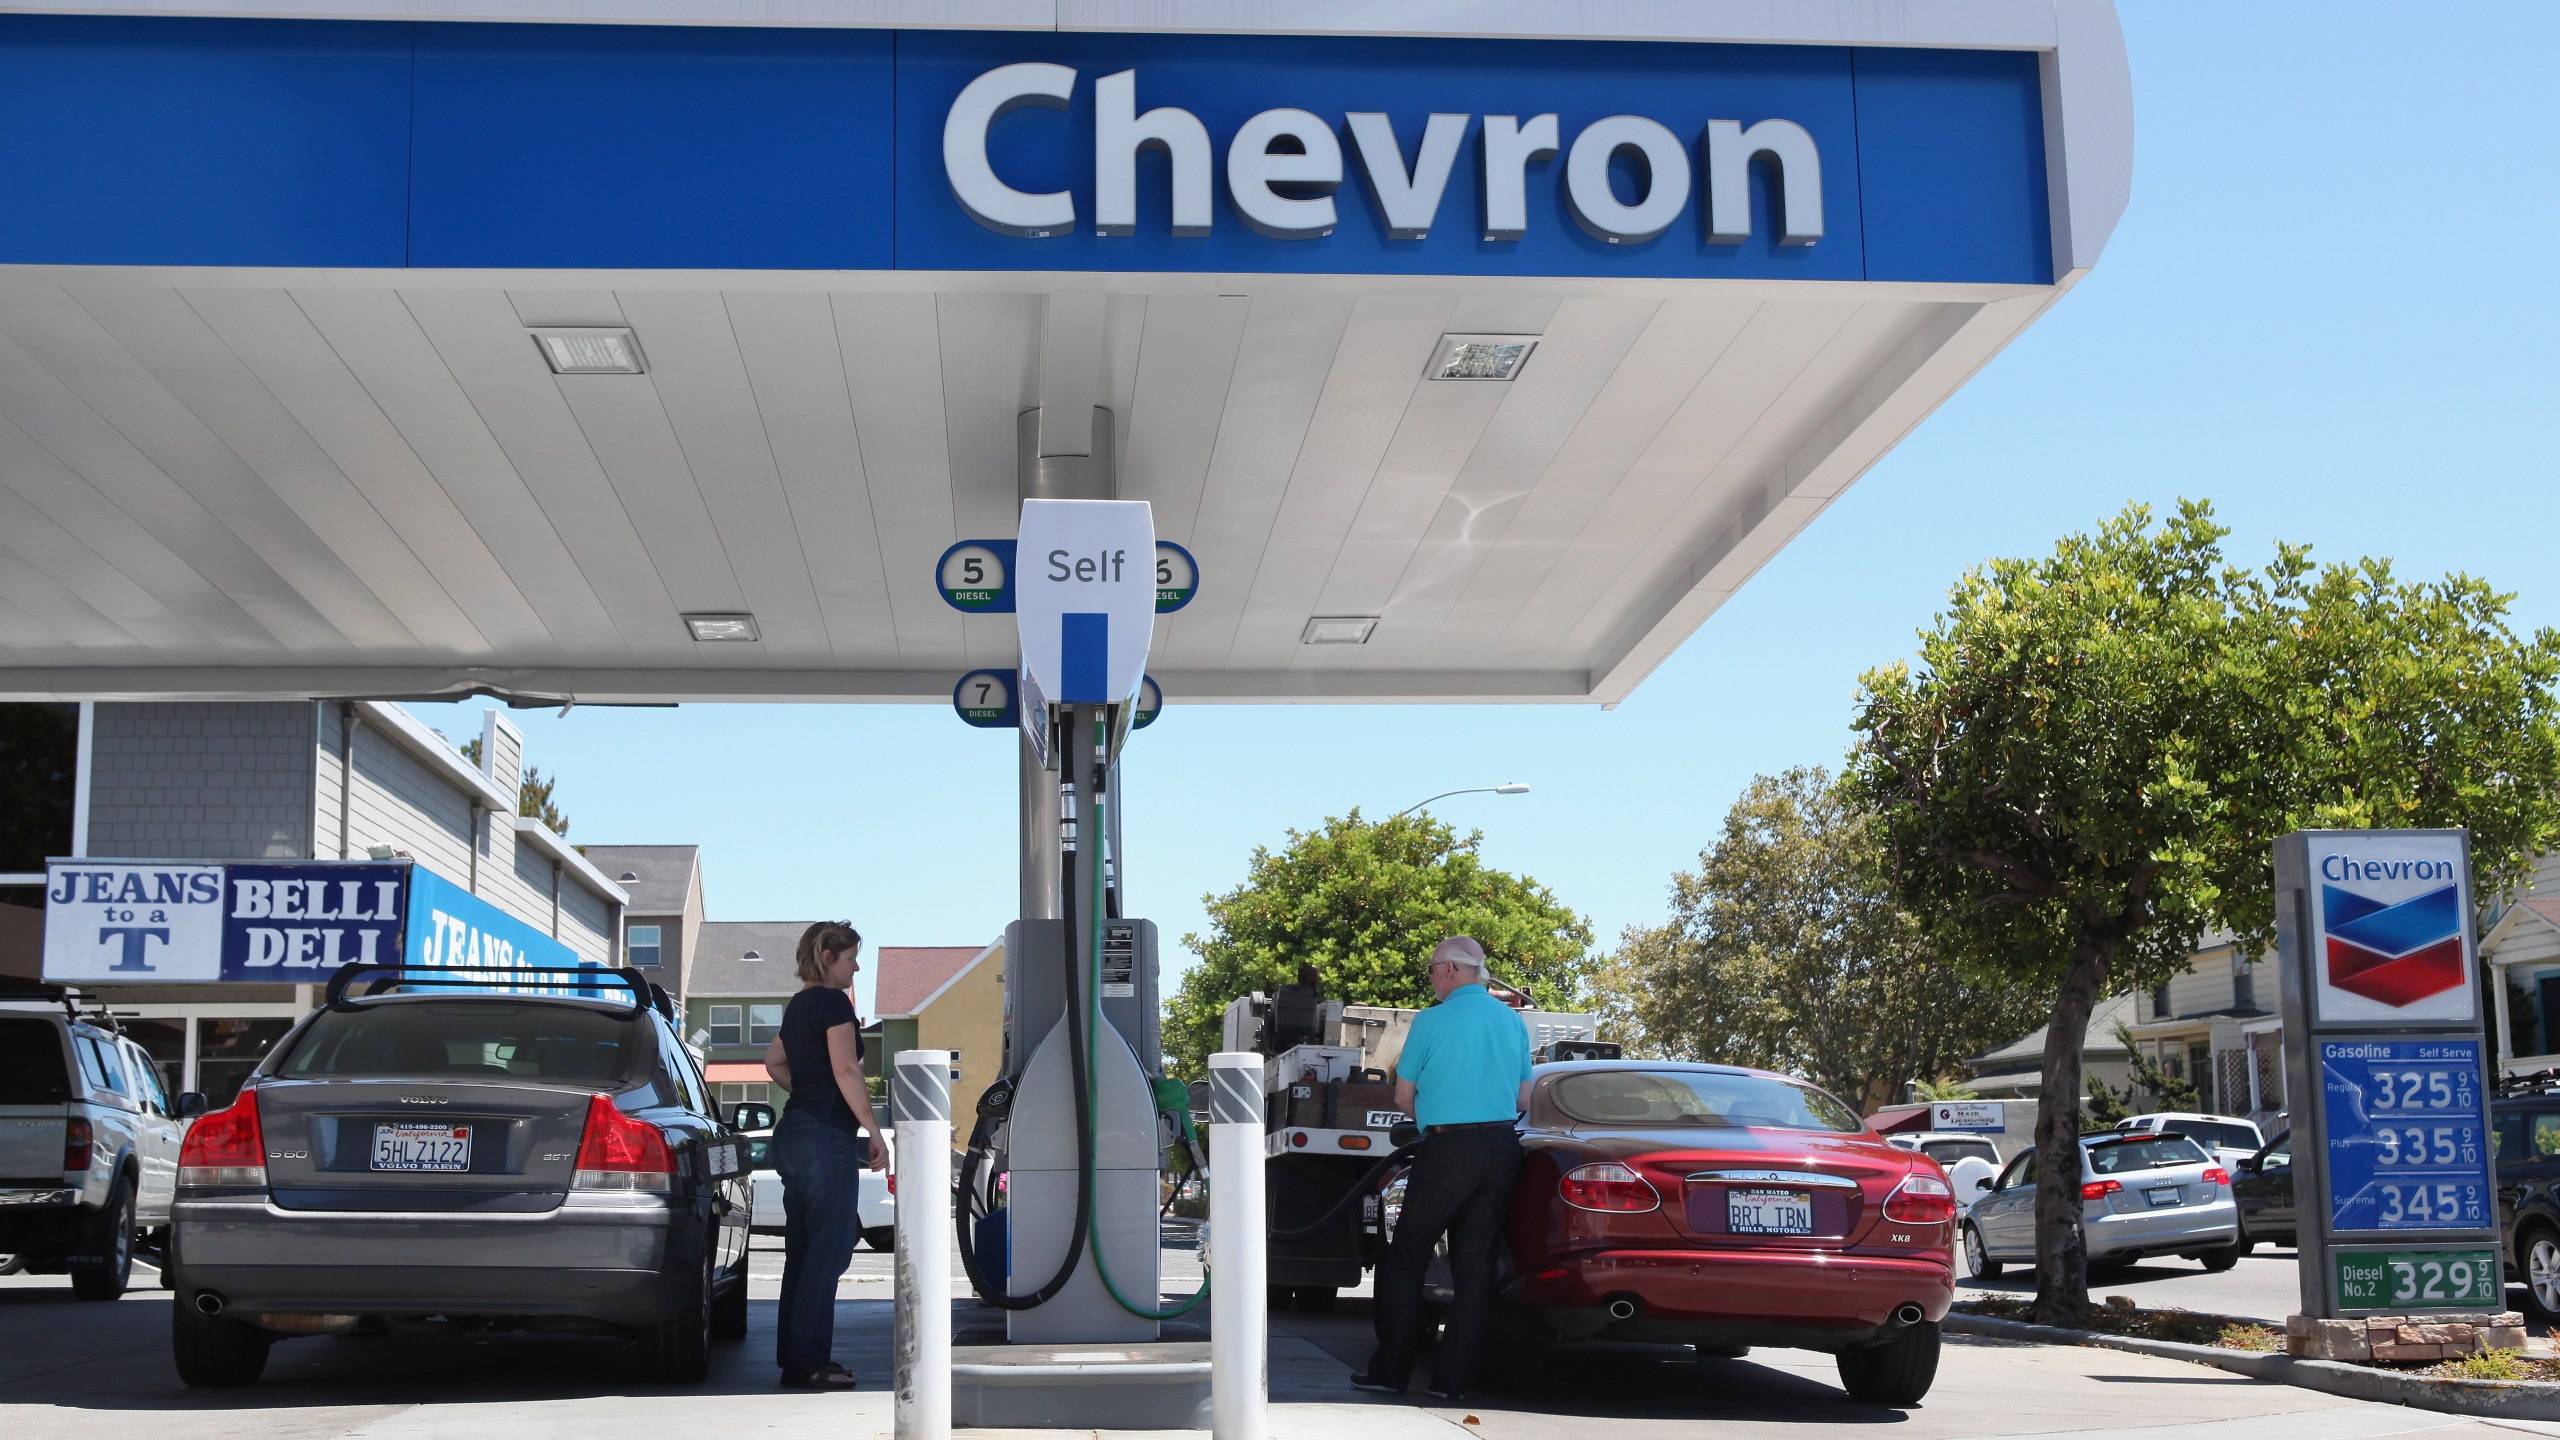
920	1113
1239	1327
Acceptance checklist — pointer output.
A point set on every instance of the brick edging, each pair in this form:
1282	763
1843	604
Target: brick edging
2494	1399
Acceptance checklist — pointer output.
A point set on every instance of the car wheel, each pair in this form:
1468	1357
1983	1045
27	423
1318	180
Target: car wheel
105	1278
1519	1344
1977	1257
2542	1273
1315	1297
883	1238
12	1264
2217	1261
2247	1242
214	1351
677	1350
1722	1352
1897	1372
729	1312
2110	1269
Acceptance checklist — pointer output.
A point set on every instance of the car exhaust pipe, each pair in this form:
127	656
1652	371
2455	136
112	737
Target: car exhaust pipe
209	1302
1622	1308
1907	1314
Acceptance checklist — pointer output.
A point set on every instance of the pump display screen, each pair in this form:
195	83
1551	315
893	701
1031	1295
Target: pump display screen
2408	1135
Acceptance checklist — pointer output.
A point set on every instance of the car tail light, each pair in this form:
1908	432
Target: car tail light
226	1147
2216	1175
621	1153
1921	1200
893	1182
75	1143
2099	1189
1608	1186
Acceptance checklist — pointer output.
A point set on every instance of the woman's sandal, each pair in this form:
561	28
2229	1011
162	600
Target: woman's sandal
830	1376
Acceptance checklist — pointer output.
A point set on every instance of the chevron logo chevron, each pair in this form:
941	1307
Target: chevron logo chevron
2393	954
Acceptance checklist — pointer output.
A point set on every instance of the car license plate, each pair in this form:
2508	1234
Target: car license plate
2162	1195
1769	1212
417	1145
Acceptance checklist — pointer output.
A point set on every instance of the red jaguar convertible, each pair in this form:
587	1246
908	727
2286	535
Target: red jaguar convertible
1723	1208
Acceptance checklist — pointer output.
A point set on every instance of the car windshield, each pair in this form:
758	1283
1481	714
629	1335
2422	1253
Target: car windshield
462	1039
2214	1132
1697	1097
2143	1152
31	1068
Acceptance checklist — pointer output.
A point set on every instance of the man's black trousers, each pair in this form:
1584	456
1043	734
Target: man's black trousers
1461	1183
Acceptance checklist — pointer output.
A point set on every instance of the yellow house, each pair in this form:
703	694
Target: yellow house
945	997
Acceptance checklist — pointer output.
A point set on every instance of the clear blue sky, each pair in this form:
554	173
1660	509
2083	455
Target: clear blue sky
2330	310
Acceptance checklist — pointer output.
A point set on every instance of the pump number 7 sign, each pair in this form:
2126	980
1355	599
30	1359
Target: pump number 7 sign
984	698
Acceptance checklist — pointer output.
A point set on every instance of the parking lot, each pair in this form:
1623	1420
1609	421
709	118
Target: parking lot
83	1371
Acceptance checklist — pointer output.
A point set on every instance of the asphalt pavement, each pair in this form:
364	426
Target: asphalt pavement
73	1371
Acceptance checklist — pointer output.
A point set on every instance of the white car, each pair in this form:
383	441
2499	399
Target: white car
2229	1137
1965	1157
877	1207
2141	1195
89	1147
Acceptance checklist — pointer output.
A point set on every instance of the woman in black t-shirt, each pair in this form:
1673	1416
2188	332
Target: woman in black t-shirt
820	1150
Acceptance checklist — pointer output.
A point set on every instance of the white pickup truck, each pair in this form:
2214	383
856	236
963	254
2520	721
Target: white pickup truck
88	1148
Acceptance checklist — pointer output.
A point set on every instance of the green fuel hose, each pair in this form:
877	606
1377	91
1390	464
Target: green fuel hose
1093	1106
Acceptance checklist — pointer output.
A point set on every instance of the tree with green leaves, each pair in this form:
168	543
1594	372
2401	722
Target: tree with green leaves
1786	950
533	793
1363	902
2091	761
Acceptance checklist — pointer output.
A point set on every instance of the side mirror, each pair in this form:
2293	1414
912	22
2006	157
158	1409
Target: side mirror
192	1103
1403	1133
2249	1166
1982	1184
752	1116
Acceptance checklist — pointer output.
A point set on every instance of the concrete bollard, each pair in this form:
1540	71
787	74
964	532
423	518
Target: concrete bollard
920	1113
1239	1327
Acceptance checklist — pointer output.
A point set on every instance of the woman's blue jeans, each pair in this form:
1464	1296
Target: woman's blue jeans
821	1168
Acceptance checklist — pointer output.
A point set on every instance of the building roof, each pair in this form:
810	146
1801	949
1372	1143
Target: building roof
2027	1051
909	975
720	966
657	877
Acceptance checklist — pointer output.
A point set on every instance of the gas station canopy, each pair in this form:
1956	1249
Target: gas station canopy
348	349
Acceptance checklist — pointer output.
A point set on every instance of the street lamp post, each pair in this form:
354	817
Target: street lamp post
1513	788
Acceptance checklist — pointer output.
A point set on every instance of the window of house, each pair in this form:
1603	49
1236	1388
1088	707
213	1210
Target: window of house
2200	1066
641	944
2533	1008
736	1093
2244	983
763	1023
2160	1001
725	1029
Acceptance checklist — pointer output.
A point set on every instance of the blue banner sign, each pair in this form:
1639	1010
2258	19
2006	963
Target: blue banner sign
291	922
2408	1135
449	926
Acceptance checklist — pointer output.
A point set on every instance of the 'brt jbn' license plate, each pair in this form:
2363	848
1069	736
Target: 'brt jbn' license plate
415	1145
1769	1212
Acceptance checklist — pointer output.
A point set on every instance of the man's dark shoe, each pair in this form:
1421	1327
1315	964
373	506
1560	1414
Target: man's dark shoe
1449	1397
1363	1380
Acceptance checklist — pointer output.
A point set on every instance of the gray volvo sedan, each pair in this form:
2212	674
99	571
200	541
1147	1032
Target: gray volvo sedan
438	1152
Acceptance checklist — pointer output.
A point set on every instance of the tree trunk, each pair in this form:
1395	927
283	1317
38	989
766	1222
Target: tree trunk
2062	1255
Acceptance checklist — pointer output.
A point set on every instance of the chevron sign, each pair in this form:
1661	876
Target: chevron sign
2392	940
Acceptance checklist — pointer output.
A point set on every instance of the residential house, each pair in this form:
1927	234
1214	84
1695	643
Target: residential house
663	922
946	997
739	976
2215	1024
2015	1071
2520	953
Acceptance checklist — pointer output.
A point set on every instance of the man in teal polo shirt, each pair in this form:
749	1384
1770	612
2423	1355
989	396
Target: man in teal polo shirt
1464	1075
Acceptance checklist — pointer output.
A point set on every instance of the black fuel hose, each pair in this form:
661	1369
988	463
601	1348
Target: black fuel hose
968	1242
1342	1207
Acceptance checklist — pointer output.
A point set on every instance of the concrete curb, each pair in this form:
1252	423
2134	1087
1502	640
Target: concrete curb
2488	1399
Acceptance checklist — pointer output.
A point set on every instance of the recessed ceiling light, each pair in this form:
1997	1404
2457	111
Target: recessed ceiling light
722	627
591	352
1480	357
1339	630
